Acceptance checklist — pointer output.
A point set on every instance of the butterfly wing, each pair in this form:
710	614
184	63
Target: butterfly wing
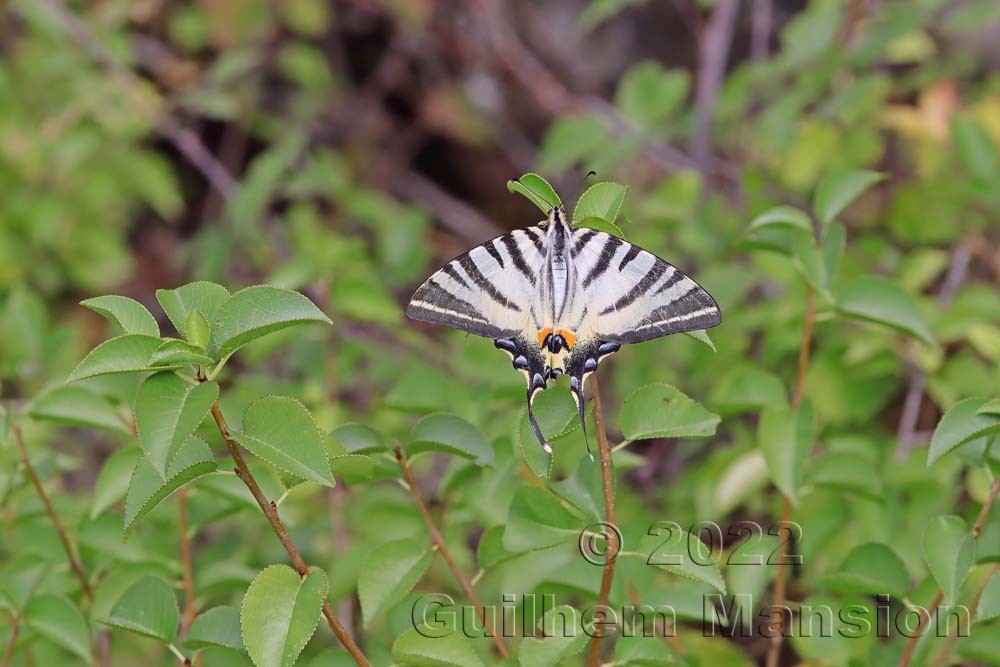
631	295
487	291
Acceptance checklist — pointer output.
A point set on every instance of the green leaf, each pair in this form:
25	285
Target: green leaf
809	260
353	468
167	411
785	437
838	190
948	550
113	481
537	190
280	613
847	472
989	603
562	635
642	650
216	627
125	354
281	431
871	569
702	337
58	620
669	547
990	407
174	352
832	244
148	488
390	572
663	411
601	226
569	140
147	608
602	201
358	439
20	578
963	423
203	296
451	434
557	417
648	94
197	329
975	149
782	216
257	311
76	406
435	646
884	302
746	387
127	313
537	520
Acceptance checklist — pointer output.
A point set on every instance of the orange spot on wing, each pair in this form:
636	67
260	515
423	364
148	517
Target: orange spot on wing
568	336
542	335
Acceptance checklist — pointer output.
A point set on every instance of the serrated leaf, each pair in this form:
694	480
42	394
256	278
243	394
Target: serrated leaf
601	226
197	329
537	520
557	417
125	354
76	406
281	431
963	423
836	192
663	411
990	407
127	313
147	608
174	352
870	569
203	296
644	651
280	613
216	627
58	620
948	550
537	190
353	468
989	603
448	433
785	437
602	201
490	551
561	637
430	646
167	411
884	302
358	439
782	216
669	547
148	488
390	573
256	312
113	480
702	337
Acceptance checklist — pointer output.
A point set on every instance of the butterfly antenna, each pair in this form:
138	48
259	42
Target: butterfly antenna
538	431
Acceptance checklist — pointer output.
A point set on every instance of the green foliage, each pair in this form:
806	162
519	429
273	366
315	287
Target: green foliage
280	613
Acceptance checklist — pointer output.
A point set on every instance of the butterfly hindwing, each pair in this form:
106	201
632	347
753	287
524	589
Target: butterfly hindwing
631	295
486	291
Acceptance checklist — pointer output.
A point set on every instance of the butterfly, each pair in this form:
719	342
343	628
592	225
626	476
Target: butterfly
559	299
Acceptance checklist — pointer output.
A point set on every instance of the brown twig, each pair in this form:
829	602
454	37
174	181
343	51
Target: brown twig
74	563
714	55
594	659
15	629
189	608
270	510
780	578
760	30
443	550
977	528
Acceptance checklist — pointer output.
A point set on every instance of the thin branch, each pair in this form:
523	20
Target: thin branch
957	271
74	563
443	550
780	576
454	214
714	55
189	607
15	629
271	512
977	528
609	516
142	93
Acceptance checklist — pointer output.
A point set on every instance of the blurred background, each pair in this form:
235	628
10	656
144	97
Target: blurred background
348	148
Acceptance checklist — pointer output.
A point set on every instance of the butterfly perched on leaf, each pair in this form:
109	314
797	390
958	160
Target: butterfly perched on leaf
559	298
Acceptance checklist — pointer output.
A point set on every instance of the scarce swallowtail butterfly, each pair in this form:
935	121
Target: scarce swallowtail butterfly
559	299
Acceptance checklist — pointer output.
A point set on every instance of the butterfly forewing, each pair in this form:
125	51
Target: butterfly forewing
631	295
488	291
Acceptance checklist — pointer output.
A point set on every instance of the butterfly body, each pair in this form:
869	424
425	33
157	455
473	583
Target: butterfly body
559	299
